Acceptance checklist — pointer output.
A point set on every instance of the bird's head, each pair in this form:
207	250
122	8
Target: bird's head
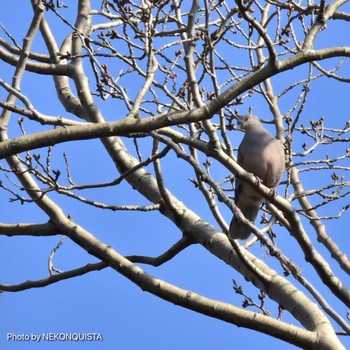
246	121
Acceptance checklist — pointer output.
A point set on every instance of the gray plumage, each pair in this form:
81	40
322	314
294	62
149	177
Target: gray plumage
262	155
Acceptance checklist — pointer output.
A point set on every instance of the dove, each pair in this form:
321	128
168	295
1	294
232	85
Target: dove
262	155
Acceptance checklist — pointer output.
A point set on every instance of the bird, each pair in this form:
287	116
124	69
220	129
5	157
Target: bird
262	155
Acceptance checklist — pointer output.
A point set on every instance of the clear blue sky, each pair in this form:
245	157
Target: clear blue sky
105	302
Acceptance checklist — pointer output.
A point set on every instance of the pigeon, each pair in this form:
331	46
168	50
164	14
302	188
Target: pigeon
262	155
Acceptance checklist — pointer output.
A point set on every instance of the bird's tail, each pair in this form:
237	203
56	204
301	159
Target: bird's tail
237	229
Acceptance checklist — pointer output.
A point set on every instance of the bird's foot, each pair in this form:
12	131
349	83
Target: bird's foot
258	180
273	192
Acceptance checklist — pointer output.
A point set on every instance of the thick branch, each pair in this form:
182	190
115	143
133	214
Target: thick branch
125	127
48	229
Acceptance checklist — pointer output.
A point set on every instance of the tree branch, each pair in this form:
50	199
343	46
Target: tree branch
47	229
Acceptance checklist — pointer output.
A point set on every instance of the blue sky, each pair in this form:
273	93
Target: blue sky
106	302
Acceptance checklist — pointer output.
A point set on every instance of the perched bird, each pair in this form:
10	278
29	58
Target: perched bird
262	155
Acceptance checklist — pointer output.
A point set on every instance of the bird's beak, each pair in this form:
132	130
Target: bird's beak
240	121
